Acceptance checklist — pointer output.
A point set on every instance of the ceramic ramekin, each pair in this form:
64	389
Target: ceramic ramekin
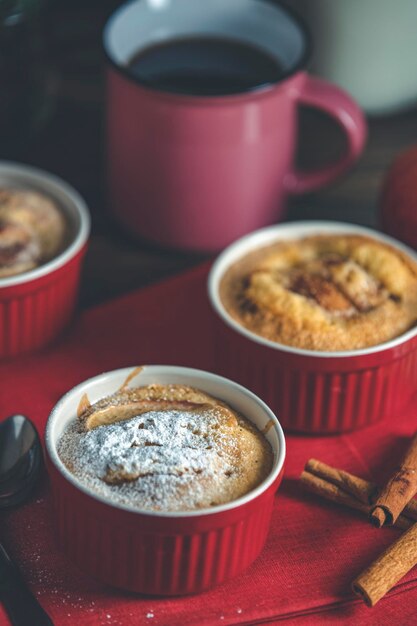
161	553
314	391
36	305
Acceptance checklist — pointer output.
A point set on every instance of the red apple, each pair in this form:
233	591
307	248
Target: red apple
399	198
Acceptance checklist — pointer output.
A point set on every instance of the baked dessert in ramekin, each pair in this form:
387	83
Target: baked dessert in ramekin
44	227
319	319
165	448
148	548
33	230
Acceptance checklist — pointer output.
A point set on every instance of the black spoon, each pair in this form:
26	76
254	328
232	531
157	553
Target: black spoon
20	466
20	460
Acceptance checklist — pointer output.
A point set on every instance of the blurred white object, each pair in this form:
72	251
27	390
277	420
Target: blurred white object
368	47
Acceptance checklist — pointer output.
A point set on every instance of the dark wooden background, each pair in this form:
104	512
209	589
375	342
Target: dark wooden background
72	145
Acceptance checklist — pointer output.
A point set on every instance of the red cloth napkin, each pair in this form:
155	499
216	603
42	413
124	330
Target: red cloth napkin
315	549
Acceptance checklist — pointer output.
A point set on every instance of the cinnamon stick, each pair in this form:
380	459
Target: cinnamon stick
333	493
388	569
398	491
348	490
360	489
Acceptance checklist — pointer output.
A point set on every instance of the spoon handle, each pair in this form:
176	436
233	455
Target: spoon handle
21	605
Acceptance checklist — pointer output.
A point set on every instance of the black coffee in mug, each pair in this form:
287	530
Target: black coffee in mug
205	66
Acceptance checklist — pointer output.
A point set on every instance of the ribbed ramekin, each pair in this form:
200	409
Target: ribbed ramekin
36	305
313	391
161	553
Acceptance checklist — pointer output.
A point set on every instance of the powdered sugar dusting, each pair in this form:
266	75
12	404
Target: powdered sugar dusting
160	460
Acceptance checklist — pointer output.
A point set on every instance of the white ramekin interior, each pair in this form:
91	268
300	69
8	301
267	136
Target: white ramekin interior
242	400
16	176
287	231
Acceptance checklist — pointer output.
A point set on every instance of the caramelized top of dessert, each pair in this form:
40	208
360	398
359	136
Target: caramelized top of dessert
325	292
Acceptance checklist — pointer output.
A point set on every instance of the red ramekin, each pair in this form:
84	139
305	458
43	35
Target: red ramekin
161	553
314	391
36	305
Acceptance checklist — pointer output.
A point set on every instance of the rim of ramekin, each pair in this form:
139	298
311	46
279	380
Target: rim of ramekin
65	195
268	235
251	495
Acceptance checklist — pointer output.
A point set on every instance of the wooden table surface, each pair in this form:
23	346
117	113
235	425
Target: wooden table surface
72	145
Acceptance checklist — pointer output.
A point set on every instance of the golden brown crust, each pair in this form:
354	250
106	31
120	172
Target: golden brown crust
325	292
123	405
32	231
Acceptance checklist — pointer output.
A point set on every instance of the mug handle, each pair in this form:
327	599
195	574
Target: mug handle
320	94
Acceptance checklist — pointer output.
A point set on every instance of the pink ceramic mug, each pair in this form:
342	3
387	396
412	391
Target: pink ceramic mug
197	172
